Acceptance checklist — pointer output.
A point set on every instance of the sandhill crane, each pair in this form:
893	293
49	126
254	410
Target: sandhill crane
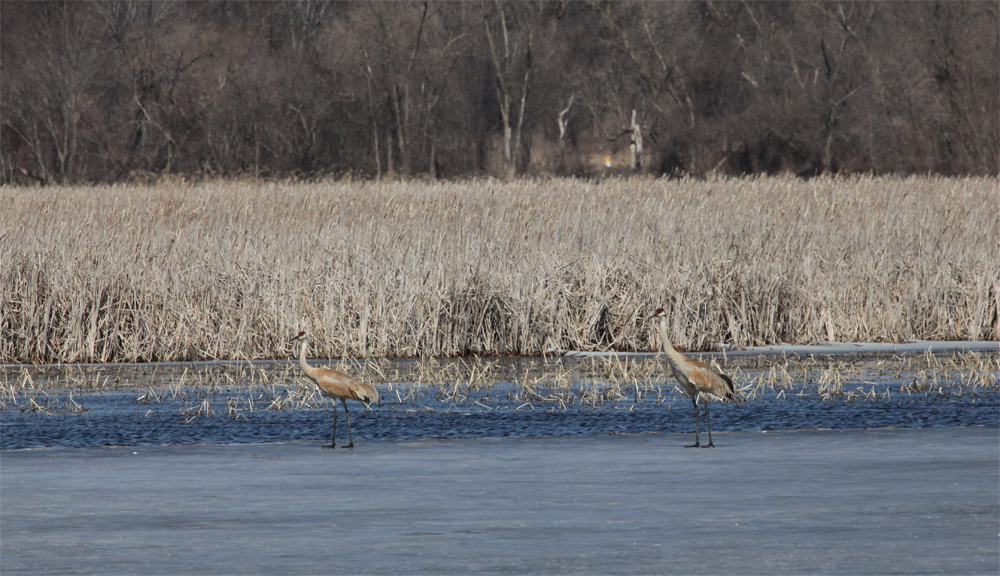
696	378
338	386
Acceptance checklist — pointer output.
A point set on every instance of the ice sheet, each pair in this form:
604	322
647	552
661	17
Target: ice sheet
833	502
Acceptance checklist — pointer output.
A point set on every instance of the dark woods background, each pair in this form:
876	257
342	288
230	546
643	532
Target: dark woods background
107	91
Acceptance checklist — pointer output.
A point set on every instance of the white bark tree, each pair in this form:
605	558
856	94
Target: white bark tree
636	145
510	32
562	133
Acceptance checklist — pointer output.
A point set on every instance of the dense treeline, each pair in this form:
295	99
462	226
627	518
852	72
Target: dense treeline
107	91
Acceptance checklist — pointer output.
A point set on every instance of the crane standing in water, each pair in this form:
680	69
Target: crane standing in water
696	378
338	386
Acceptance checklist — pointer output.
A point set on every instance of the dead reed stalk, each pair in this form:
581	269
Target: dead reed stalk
406	269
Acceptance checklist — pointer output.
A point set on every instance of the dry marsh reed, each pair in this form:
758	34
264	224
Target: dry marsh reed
229	270
238	392
957	375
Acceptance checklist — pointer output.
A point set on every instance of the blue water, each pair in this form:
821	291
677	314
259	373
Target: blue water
117	419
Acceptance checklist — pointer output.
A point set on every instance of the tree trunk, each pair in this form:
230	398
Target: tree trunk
401	130
432	167
562	135
371	111
507	157
388	151
512	171
636	145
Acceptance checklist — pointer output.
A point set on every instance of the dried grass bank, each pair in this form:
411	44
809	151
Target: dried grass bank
388	269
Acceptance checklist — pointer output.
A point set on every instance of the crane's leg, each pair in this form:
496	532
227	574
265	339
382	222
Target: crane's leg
333	441
708	422
350	439
697	441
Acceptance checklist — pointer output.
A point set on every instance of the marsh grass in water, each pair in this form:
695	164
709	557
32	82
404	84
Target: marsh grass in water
607	383
228	270
478	397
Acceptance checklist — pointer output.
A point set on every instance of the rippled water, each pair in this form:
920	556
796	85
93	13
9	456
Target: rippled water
126	418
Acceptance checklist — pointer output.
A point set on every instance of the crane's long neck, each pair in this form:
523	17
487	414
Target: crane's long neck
309	370
673	356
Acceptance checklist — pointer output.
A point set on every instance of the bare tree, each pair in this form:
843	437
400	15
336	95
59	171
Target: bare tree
409	52
45	105
510	31
652	40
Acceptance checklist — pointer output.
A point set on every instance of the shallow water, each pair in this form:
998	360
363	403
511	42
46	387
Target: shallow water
127	418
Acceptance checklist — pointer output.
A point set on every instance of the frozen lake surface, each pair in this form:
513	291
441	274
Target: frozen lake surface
572	466
905	501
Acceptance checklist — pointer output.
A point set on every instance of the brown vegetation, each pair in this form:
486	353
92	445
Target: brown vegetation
238	389
119	90
231	269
